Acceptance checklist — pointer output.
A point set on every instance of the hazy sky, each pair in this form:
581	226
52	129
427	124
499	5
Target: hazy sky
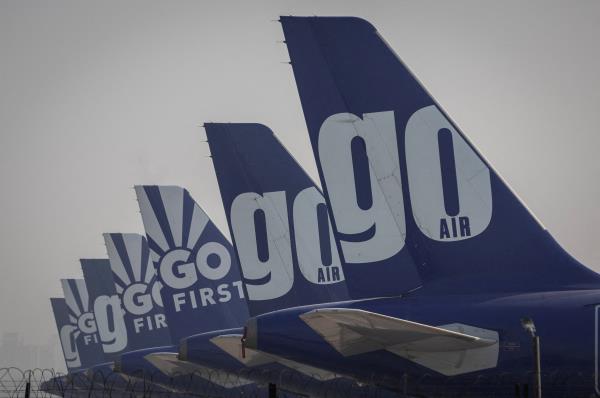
98	96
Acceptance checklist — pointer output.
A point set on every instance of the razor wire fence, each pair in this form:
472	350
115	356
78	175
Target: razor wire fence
254	383
15	382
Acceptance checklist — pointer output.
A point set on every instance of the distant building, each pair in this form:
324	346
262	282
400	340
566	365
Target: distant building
9	347
15	353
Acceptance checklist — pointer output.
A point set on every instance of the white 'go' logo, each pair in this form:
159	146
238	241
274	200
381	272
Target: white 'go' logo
386	215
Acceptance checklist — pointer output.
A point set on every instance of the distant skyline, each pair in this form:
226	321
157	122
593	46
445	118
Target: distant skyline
96	97
19	353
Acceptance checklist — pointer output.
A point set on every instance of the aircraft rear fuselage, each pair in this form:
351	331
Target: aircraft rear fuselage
566	322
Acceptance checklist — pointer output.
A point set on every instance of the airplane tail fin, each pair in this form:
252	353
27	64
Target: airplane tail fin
66	333
107	307
390	158
137	285
202	288
82	322
278	220
98	277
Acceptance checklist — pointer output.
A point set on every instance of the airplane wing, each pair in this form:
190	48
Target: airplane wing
449	349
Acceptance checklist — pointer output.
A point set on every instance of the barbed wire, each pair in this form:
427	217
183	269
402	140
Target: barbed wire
253	383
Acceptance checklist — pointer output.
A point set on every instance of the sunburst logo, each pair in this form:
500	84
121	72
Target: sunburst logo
135	279
67	332
191	254
80	315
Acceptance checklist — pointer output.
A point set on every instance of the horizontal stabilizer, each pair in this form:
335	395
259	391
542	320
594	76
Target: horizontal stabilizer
169	364
449	349
232	344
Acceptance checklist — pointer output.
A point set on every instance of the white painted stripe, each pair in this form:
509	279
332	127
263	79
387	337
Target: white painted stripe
199	221
172	198
70	297
83	294
151	225
133	247
116	265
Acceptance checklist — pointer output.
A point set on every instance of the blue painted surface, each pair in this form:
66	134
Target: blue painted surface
99	282
565	322
131	267
185	304
488	278
342	65
248	158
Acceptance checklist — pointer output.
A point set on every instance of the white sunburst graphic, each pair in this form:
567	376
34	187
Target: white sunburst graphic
138	288
195	262
133	272
172	219
80	313
67	332
176	229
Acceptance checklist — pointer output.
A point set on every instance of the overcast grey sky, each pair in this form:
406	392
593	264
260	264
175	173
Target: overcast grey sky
98	96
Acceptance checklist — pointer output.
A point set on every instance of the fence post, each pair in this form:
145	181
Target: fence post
28	386
537	366
272	390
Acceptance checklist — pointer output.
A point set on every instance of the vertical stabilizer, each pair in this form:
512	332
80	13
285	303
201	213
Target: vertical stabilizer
278	219
82	322
408	191
137	285
107	307
202	288
67	333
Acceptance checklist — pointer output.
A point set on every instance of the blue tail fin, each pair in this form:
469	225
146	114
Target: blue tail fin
82	322
66	333
106	306
202	288
139	290
392	161
278	219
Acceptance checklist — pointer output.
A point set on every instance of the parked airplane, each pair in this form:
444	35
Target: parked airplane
203	284
424	220
280	227
107	307
66	333
112	332
139	290
89	342
78	332
196	264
